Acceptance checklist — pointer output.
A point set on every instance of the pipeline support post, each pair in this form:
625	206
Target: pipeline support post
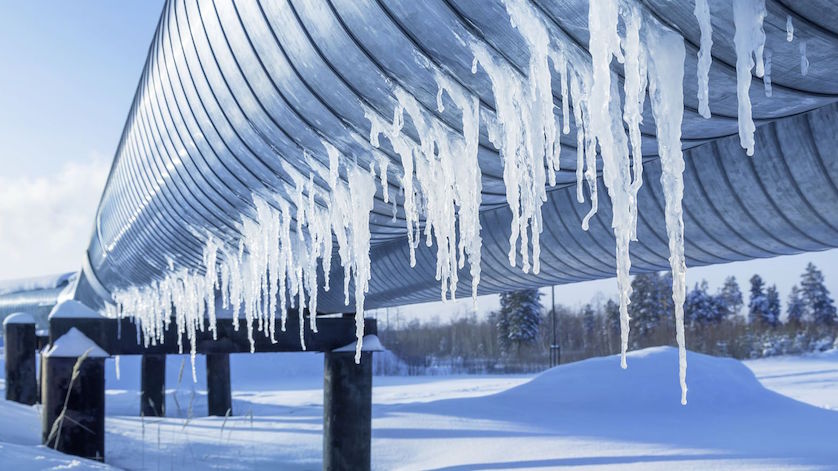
153	385
347	411
19	347
219	393
73	394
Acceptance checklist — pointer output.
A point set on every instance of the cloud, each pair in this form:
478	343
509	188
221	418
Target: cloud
46	221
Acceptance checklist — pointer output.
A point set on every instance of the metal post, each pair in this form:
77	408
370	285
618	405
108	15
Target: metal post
219	395
74	397
153	385
20	345
347	411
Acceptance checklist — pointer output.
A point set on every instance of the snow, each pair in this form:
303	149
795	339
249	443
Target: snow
74	344
71	308
371	344
36	283
583	414
19	318
811	378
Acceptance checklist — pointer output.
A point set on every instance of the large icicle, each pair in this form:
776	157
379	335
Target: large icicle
607	127
666	75
749	41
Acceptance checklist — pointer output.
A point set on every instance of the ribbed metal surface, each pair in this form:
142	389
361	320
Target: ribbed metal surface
231	91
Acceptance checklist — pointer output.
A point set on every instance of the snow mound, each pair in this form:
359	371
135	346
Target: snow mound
649	383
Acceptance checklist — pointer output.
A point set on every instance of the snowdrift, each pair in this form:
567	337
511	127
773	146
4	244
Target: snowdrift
728	409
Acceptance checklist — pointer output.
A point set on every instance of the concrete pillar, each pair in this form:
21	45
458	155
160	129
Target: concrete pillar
153	385
219	394
74	396
347	411
20	346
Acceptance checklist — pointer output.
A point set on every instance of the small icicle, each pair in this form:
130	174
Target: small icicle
804	61
705	58
749	41
766	79
789	29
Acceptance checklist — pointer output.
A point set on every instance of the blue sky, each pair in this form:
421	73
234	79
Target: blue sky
68	71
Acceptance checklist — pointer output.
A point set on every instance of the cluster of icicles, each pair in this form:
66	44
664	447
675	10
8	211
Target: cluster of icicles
441	179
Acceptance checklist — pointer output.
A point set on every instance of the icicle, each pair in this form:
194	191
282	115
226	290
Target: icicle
116	366
702	13
804	61
362	196
607	128
766	79
749	41
789	29
635	93
666	74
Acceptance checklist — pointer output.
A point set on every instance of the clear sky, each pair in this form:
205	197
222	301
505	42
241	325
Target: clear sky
68	71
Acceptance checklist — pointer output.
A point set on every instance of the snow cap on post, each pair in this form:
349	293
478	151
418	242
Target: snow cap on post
371	343
19	318
74	344
72	309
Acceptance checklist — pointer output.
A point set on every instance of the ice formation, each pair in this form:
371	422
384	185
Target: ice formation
273	265
702	13
789	29
804	61
749	41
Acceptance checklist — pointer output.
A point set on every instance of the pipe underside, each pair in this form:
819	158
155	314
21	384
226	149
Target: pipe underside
232	92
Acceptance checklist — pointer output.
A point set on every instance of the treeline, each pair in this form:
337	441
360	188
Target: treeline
518	337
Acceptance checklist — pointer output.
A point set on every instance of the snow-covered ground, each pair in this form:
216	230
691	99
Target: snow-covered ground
589	414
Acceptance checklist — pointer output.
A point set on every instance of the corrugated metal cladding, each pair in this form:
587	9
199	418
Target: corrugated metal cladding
231	91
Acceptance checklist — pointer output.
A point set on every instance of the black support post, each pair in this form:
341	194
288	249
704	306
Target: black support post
153	385
219	394
74	405
20	345
347	411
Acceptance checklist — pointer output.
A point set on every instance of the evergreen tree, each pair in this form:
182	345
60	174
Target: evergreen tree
588	323
772	297
518	319
702	307
758	303
651	302
612	325
796	308
819	305
731	296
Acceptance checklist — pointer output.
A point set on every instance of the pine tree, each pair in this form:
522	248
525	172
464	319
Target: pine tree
702	307
612	325
651	303
816	297
795	308
758	303
588	323
731	296
518	319
772	297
